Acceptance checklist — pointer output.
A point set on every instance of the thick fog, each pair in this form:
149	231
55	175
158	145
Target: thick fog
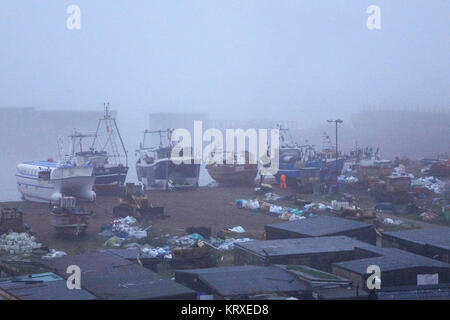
303	61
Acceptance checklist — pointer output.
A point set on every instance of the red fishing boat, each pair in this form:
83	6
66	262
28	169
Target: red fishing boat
234	174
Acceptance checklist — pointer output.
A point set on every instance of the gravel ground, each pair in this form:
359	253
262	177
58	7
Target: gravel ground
207	206
204	207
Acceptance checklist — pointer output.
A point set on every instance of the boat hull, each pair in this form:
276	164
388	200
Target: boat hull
109	180
230	175
164	174
53	190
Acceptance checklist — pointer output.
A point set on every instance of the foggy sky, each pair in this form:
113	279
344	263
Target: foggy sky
306	60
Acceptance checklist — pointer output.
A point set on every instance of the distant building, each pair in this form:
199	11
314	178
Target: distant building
413	134
176	120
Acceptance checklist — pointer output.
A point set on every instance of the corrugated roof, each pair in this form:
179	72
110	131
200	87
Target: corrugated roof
341	293
392	259
428	292
434	236
109	276
247	280
46	286
320	226
284	247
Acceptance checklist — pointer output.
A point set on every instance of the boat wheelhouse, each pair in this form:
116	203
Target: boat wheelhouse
158	170
106	153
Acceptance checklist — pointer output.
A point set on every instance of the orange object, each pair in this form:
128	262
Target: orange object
283	182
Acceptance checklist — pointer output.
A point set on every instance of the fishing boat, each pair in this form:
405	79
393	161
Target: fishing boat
234	174
49	181
66	218
292	157
158	170
327	158
110	164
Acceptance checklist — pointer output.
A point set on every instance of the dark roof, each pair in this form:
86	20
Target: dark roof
392	259
246	280
282	247
426	292
320	226
132	254
434	236
96	261
312	275
45	286
341	293
109	276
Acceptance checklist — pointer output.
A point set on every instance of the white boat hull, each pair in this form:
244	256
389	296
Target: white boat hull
60	181
53	190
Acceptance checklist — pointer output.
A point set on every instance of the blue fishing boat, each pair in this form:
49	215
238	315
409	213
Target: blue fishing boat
293	158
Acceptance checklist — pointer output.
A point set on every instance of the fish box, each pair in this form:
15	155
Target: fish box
368	173
398	184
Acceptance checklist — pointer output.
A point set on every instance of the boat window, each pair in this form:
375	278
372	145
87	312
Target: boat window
44	175
290	155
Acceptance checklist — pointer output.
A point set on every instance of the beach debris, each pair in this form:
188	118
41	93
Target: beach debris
317	206
18	243
247	204
280	211
228	243
157	252
203	231
114	241
392	221
238	229
429	216
430	183
263	188
340	205
125	228
54	254
277	209
400	171
185	241
348	180
270	196
294	217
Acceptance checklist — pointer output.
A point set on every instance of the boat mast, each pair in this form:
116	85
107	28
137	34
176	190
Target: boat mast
118	132
108	120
